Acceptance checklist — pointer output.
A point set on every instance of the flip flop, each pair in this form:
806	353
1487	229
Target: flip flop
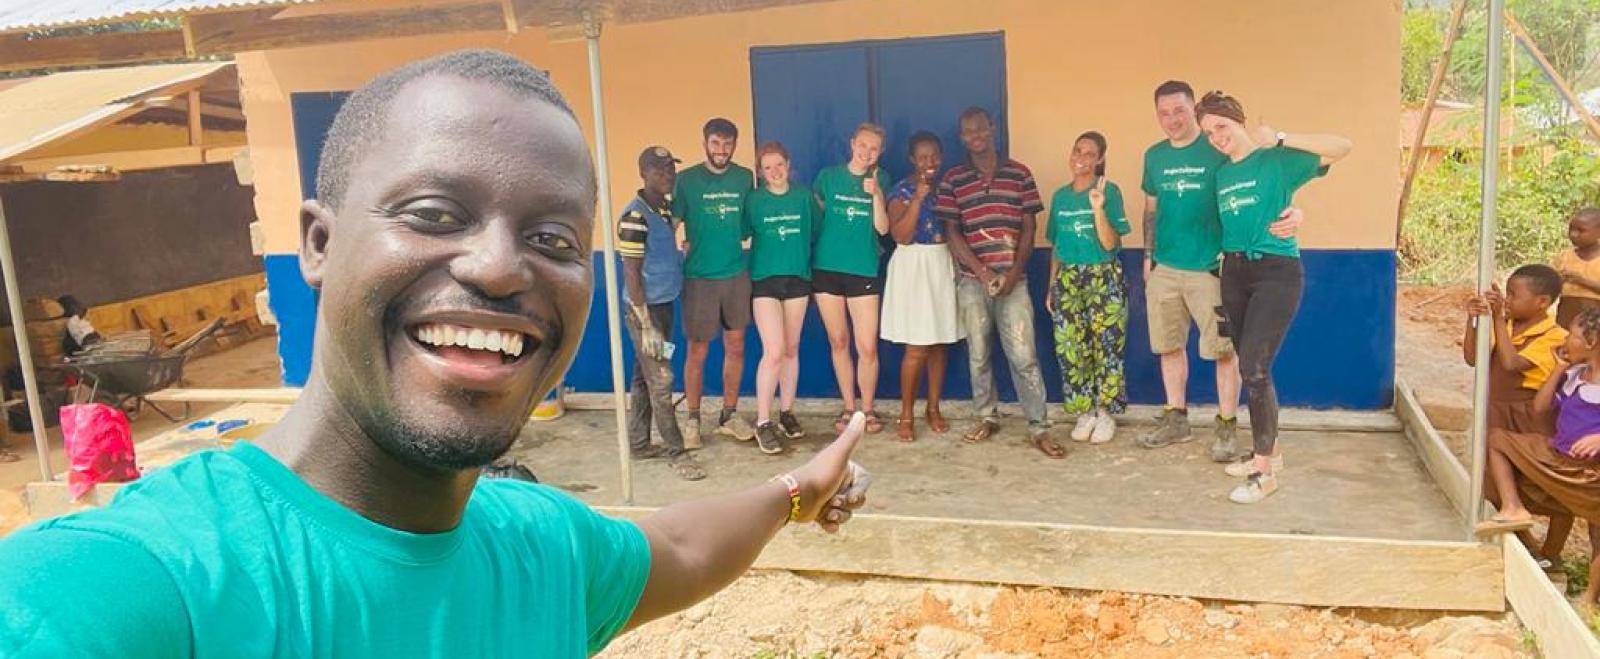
986	429
937	422
1048	447
1497	525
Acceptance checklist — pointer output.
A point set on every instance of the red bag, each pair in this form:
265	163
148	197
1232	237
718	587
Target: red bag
99	446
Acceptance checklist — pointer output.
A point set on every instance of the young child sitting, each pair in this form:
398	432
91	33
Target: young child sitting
1521	360
1580	266
1565	465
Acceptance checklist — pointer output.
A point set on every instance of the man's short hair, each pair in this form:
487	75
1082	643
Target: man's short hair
1171	87
976	111
720	127
1543	279
360	121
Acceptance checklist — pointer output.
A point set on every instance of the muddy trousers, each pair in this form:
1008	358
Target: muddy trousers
650	393
1260	296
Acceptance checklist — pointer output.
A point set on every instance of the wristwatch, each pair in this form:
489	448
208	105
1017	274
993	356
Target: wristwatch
1281	137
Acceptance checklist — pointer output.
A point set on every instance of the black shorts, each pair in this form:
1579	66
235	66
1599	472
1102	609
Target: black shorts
844	284
781	287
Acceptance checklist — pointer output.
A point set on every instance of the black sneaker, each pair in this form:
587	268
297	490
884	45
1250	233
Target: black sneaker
770	438
791	426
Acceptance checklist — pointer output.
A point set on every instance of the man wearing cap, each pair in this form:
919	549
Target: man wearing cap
708	203
652	274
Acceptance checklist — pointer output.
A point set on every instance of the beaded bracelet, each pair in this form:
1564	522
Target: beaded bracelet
794	494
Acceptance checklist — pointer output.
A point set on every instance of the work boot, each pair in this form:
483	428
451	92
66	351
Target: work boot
691	431
1255	487
1224	449
1173	428
1247	465
791	425
733	426
684	466
769	438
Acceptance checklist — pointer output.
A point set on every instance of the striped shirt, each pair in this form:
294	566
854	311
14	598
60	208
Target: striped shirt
989	212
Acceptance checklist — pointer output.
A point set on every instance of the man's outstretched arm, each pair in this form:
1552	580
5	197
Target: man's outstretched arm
699	547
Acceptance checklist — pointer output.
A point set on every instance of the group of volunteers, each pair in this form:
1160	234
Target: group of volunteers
1544	396
1219	226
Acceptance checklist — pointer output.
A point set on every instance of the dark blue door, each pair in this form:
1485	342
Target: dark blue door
812	97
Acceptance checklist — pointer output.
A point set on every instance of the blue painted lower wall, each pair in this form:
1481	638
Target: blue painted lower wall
1339	353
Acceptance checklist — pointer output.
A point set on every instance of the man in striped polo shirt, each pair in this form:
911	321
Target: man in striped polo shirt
988	204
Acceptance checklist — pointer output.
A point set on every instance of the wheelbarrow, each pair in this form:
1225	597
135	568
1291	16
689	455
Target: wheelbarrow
123	379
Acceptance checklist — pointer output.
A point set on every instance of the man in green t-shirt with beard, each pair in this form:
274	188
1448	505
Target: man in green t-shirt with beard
708	203
1183	249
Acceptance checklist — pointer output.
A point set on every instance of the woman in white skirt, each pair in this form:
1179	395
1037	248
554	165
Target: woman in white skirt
919	298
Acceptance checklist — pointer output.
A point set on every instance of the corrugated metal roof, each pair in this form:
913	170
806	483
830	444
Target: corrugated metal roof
44	109
21	15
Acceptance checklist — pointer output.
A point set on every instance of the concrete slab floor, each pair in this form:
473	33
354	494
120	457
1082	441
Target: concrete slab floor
1353	484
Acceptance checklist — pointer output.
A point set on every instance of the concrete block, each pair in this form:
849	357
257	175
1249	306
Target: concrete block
1449	410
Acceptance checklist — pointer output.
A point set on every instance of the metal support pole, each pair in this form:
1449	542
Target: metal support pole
1486	263
30	384
591	33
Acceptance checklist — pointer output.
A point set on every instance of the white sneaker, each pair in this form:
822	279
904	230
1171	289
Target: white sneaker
1247	466
1104	429
1084	426
1254	488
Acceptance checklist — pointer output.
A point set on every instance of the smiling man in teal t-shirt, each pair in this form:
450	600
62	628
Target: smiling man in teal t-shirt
449	243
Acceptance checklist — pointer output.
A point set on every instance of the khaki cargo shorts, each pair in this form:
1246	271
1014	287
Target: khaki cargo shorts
1173	298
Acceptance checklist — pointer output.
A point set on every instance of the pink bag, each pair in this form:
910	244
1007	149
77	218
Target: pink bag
99	446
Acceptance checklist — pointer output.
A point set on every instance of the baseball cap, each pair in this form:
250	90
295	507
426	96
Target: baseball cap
656	156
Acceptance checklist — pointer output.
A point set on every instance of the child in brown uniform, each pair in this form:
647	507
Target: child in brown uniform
1580	266
1522	358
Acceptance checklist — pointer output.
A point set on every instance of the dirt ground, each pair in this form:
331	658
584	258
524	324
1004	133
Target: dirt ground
782	614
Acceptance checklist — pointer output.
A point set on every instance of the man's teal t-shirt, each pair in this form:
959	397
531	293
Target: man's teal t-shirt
1253	192
1071	227
230	554
1183	180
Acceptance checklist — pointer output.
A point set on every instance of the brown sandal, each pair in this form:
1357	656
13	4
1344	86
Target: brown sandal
843	421
936	421
874	424
905	429
985	429
1048	446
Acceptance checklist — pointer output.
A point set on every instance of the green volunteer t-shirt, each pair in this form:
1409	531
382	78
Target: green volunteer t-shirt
711	207
1253	192
781	229
1071	226
230	554
846	240
1183	181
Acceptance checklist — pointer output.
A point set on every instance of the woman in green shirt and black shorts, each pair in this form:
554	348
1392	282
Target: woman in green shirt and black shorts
780	219
1261	274
845	267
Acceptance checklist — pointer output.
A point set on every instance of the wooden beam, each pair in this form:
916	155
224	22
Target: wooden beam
228	34
1434	85
509	9
196	127
19	53
1573	101
1447	471
1542	609
126	161
188	36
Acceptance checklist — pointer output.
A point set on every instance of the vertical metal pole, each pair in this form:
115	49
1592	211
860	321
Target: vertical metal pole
30	384
1486	263
591	33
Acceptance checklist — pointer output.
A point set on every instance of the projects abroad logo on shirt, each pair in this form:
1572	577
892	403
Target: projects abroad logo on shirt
1078	226
1235	204
1182	185
784	231
852	212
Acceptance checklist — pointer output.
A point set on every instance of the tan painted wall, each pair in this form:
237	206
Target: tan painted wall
1302	65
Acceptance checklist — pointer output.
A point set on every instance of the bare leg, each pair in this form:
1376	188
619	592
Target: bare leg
694	375
732	366
1556	537
832	309
910	374
1227	383
864	320
794	319
936	370
1593	591
769	325
1505	482
1175	378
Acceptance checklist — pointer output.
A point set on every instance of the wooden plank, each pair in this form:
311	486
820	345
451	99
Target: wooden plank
277	395
1447	471
1542	609
1288	569
127	161
224	34
194	113
1434	84
18	52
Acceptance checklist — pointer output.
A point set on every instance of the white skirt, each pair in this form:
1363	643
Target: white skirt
919	298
